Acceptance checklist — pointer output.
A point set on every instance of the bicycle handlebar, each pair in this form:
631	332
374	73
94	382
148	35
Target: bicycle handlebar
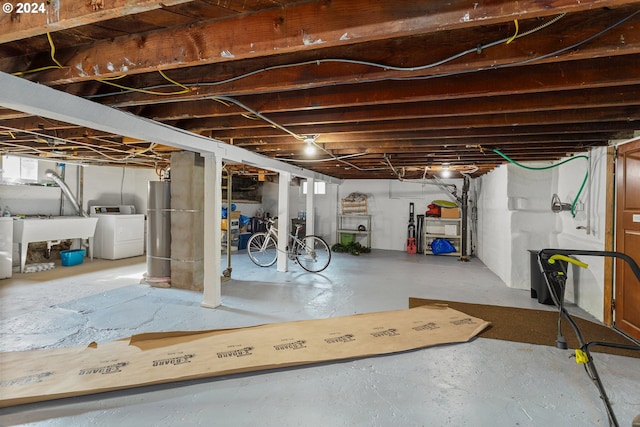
270	220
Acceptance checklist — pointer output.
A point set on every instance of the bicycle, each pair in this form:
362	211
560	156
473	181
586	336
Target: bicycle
311	252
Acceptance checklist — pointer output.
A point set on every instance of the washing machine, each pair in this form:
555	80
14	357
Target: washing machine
119	232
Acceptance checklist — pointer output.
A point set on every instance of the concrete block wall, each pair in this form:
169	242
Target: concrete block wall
187	221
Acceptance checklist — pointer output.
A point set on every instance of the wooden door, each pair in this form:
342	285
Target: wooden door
627	293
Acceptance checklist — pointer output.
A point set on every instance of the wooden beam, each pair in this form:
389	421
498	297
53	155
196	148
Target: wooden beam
462	146
59	15
301	27
294	114
263	129
534	48
575	75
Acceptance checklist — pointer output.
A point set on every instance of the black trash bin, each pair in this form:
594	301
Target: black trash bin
539	287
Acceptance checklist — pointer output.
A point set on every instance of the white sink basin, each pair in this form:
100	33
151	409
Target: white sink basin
49	229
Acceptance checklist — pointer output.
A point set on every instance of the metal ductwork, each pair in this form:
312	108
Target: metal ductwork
65	189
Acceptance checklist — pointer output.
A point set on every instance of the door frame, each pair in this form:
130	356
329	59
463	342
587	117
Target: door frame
609	236
611	229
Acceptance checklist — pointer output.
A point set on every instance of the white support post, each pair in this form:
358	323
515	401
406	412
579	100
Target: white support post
311	205
283	220
212	294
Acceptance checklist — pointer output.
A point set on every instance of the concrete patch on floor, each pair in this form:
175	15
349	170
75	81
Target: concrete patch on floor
38	329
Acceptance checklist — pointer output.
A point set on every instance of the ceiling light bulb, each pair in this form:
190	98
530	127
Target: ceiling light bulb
309	149
446	172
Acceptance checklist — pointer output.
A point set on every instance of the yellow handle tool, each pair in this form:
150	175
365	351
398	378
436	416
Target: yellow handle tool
573	261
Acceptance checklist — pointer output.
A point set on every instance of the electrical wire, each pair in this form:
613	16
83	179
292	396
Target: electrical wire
558	300
77	159
385	67
515	21
524	61
220	98
477	49
107	80
52	53
331	159
228	99
135	157
185	89
189	87
584	181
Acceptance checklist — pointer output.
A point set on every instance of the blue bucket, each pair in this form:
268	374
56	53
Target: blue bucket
72	257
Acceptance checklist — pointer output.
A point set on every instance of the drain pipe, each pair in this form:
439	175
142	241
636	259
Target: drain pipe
227	272
465	217
62	174
65	189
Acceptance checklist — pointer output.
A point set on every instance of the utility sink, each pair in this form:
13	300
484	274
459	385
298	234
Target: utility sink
51	229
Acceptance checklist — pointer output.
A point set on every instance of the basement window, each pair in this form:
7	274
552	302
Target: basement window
319	187
19	169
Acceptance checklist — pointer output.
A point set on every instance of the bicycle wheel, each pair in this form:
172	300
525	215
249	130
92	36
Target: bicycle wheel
314	254
262	249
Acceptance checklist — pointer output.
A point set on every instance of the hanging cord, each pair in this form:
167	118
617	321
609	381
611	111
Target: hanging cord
107	80
52	53
584	181
515	21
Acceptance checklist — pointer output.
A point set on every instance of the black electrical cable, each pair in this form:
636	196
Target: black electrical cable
389	67
526	61
559	277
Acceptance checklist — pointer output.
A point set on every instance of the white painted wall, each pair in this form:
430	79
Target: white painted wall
514	215
388	202
103	185
513	212
493	244
325	219
585	287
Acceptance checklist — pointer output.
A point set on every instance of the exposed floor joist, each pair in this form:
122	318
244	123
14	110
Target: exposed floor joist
421	83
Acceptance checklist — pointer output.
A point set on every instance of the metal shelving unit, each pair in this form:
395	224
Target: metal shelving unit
348	224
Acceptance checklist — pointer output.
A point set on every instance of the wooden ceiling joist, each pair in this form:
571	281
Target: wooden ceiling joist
419	82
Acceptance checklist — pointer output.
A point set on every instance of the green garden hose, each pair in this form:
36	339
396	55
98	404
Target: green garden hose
584	181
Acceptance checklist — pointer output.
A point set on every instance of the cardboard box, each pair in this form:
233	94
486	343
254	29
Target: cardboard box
450	213
235	224
235	221
451	230
435	229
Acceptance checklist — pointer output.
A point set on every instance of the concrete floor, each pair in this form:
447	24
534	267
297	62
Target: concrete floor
481	383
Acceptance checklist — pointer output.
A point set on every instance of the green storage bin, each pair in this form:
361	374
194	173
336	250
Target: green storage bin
346	238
